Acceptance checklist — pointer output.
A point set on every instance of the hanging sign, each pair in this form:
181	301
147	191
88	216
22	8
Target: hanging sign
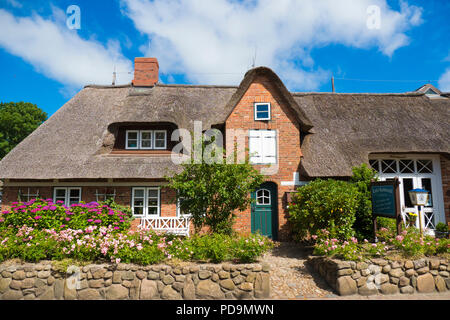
386	200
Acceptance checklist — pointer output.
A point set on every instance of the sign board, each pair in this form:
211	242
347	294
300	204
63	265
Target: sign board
383	200
386	200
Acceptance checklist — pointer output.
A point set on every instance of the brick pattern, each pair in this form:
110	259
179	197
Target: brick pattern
146	72
284	120
445	172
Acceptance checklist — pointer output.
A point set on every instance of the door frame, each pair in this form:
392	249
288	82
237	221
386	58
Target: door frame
273	188
436	183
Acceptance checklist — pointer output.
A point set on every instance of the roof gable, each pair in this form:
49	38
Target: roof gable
285	95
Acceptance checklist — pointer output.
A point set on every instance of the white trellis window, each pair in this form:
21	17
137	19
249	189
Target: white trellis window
263	196
145	202
414	171
68	195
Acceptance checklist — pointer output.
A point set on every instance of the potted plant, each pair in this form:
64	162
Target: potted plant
442	230
412	219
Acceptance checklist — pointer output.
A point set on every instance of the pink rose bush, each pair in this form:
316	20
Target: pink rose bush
408	244
45	214
106	244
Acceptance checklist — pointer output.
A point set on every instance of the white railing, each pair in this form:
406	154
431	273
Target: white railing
175	225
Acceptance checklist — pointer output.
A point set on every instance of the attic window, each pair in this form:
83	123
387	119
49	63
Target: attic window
262	111
431	92
146	139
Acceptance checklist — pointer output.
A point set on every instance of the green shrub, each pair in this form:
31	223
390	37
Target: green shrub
324	204
247	249
143	247
442	227
361	178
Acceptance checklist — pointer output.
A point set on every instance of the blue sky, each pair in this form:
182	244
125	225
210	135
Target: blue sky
215	42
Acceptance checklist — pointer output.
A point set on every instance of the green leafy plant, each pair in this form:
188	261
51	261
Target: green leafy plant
45	214
442	227
324	204
361	178
212	191
17	121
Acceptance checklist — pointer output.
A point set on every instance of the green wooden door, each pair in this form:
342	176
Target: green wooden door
264	210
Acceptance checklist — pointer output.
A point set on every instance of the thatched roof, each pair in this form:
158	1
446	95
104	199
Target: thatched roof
75	142
348	127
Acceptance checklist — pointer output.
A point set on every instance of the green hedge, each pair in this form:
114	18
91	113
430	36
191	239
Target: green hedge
324	204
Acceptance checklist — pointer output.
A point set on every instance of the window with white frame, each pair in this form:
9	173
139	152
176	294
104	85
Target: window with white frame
68	195
146	139
263	146
145	201
263	197
262	111
180	212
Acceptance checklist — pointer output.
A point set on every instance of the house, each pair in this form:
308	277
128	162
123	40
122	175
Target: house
115	141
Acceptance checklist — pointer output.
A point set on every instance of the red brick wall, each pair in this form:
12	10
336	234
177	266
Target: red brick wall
123	196
445	171
289	153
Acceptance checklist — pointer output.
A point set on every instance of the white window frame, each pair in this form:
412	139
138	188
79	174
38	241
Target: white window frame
137	142
179	215
262	146
263	196
151	138
436	178
67	194
256	104
165	139
145	209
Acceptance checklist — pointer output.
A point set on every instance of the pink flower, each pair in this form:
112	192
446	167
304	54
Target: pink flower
314	237
67	219
37	217
97	221
399	238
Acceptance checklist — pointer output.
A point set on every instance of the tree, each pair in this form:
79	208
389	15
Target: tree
211	191
17	121
361	178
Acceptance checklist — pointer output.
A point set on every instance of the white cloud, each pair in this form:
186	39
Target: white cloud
204	38
60	53
444	81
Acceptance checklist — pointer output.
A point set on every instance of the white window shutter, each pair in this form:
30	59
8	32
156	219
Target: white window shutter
269	144
254	145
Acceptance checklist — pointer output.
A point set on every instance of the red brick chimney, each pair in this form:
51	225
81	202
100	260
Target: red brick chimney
146	72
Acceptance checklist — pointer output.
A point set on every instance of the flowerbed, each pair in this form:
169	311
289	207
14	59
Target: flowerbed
142	247
408	244
41	229
45	214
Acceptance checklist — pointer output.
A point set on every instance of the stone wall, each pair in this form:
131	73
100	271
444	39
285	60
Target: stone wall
45	281
380	276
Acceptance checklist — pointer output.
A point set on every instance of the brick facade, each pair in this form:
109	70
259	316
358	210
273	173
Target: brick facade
284	120
88	194
445	172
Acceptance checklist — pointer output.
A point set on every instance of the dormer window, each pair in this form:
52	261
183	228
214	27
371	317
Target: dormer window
146	139
262	111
